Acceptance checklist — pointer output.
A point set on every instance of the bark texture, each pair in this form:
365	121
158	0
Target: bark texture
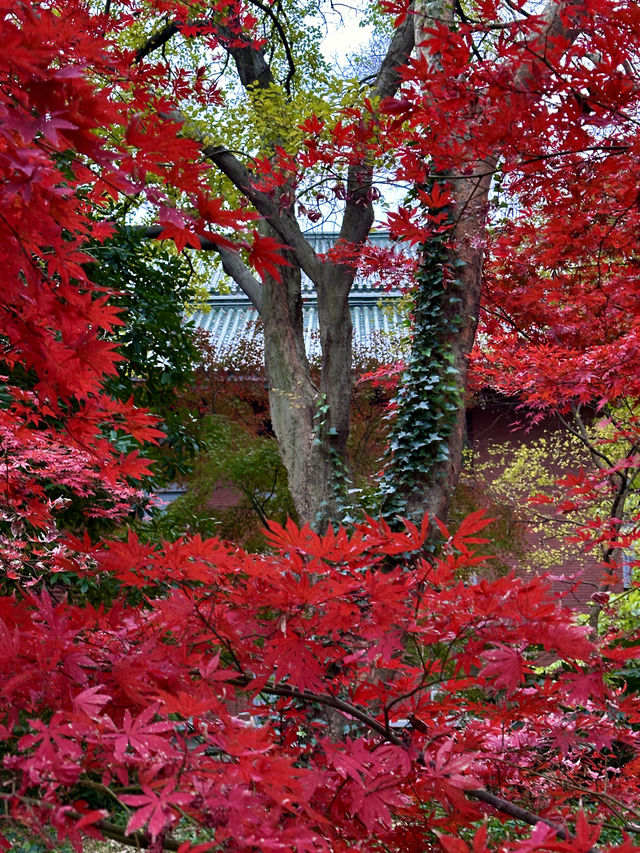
294	399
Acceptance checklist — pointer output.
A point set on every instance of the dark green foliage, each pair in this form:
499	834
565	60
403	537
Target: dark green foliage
21	844
152	286
429	395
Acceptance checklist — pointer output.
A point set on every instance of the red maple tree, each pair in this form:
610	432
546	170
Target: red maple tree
342	692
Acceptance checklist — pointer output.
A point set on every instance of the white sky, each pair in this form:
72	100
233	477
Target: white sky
345	34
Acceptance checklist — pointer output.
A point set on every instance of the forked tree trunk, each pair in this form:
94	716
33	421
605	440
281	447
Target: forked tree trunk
311	421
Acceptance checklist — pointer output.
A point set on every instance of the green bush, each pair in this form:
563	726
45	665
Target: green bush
232	457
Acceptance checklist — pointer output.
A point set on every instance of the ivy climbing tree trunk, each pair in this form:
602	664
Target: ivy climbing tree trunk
425	453
429	428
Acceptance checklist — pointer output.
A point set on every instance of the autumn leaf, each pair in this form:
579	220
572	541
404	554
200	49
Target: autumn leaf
504	667
266	257
155	808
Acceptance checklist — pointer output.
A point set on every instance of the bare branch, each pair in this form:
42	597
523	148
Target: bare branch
232	264
388	78
517	812
499	803
283	38
157	41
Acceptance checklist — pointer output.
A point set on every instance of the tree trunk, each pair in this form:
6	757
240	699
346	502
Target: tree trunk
311	423
429	430
334	318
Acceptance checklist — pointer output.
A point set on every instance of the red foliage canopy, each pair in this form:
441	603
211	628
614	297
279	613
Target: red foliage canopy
356	702
342	692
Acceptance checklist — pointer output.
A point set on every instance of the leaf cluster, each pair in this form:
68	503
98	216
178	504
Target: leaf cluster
152	290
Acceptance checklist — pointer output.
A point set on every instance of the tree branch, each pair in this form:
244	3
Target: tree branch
157	40
388	79
330	701
251	64
504	806
253	69
283	38
231	263
233	266
136	839
517	812
279	217
358	213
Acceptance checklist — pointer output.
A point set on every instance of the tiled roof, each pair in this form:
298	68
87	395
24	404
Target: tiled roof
377	325
374	326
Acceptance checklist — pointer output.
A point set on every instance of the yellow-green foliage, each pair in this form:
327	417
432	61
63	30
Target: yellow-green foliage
250	122
505	543
626	607
204	270
515	471
532	468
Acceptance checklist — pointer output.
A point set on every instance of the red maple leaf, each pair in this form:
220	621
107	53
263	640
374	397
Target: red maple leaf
140	735
266	257
504	667
155	808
